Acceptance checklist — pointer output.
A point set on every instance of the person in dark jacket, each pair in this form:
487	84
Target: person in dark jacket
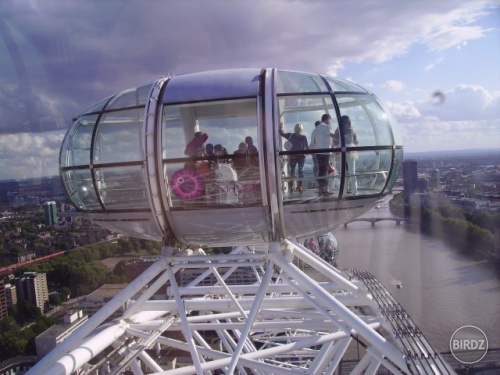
299	143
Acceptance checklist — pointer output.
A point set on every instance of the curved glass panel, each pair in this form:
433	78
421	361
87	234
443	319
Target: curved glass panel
355	107
343	85
75	150
80	189
396	169
305	110
210	154
218	84
98	107
305	167
119	137
293	82
396	133
131	97
383	129
122	187
371	172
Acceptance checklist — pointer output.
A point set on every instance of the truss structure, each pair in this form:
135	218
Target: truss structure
275	309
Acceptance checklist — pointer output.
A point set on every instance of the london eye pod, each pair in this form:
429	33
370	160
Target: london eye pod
134	162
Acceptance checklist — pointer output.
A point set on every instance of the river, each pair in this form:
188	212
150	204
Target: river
441	288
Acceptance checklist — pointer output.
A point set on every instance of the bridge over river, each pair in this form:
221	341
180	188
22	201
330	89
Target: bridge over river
373	220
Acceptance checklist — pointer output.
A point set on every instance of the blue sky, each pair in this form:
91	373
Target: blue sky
59	58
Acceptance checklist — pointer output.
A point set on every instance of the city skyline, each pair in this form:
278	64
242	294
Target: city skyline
435	65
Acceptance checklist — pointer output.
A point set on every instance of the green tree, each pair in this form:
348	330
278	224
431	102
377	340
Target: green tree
65	293
125	246
55	299
27	312
13	343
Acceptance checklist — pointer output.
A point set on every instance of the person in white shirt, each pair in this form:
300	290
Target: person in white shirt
320	139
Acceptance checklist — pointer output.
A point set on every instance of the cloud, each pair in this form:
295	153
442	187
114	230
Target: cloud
431	135
27	155
60	58
464	103
404	111
468	117
393	85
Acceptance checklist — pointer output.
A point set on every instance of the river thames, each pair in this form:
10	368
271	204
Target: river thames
441	288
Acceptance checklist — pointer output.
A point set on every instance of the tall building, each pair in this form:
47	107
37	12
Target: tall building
434	182
50	210
10	294
410	178
3	300
32	287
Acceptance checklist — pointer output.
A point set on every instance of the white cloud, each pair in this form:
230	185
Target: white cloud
87	52
468	117
464	103
432	135
403	111
434	64
26	155
393	85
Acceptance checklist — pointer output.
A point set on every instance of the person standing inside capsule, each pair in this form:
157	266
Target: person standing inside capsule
350	140
299	143
320	139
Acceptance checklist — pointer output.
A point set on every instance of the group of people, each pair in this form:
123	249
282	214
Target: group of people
245	158
322	138
318	248
242	159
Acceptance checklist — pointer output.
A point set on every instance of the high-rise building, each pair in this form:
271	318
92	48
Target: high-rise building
410	178
434	182
3	300
10	294
50	210
32	287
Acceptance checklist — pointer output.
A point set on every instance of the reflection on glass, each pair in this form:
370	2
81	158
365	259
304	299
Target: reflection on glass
130	98
291	82
122	187
219	163
396	169
372	170
118	137
213	182
80	189
343	85
306	110
98	107
76	147
355	108
384	134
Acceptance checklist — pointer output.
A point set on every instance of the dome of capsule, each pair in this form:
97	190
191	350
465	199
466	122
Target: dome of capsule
231	157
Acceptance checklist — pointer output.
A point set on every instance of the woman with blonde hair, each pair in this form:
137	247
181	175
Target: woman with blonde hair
299	143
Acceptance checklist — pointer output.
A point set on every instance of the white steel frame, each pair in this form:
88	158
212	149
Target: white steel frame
285	322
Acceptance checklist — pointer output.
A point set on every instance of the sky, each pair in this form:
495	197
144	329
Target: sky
435	64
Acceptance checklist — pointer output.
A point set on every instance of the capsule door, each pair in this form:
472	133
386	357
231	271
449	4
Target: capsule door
212	170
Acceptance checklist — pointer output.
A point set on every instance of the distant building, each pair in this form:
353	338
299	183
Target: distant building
98	298
49	339
410	178
3	300
10	295
32	287
468	204
434	180
50	210
137	266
